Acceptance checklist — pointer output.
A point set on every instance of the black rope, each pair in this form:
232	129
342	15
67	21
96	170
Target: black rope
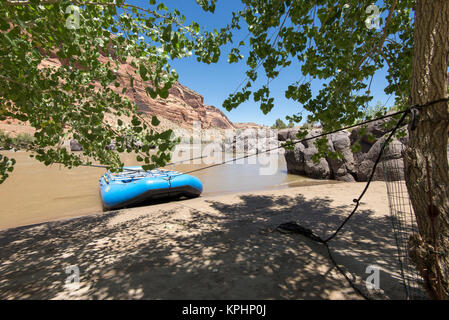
373	171
292	226
430	103
351	283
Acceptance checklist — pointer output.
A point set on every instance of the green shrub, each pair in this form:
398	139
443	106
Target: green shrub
21	141
279	124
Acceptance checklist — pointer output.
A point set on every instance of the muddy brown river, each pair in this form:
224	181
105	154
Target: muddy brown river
35	193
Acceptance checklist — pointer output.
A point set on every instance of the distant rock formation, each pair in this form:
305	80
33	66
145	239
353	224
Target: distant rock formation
252	141
248	125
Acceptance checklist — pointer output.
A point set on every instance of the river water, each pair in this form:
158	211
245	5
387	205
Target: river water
35	193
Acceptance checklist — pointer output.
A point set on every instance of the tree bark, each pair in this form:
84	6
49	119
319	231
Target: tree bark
426	162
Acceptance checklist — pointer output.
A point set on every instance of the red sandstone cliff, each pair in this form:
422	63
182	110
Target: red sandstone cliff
182	107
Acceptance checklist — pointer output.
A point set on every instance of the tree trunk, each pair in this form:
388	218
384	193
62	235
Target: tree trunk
426	162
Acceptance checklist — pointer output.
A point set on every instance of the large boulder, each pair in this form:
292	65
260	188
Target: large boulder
351	166
372	132
390	166
300	161
252	141
283	134
310	134
375	129
295	160
315	170
75	146
342	169
287	134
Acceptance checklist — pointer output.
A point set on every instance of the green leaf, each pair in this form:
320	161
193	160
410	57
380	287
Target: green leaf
155	121
135	121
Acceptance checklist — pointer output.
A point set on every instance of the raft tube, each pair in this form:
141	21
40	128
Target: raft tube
134	186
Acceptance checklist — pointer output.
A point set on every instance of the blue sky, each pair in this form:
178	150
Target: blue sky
216	81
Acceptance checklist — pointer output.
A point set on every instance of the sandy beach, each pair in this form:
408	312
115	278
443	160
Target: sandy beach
218	247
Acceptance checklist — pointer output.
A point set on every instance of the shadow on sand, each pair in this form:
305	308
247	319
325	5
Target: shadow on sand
200	249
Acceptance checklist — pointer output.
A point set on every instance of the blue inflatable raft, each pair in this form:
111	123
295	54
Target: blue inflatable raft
133	186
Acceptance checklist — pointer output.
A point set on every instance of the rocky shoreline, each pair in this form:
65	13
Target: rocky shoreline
236	141
354	166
